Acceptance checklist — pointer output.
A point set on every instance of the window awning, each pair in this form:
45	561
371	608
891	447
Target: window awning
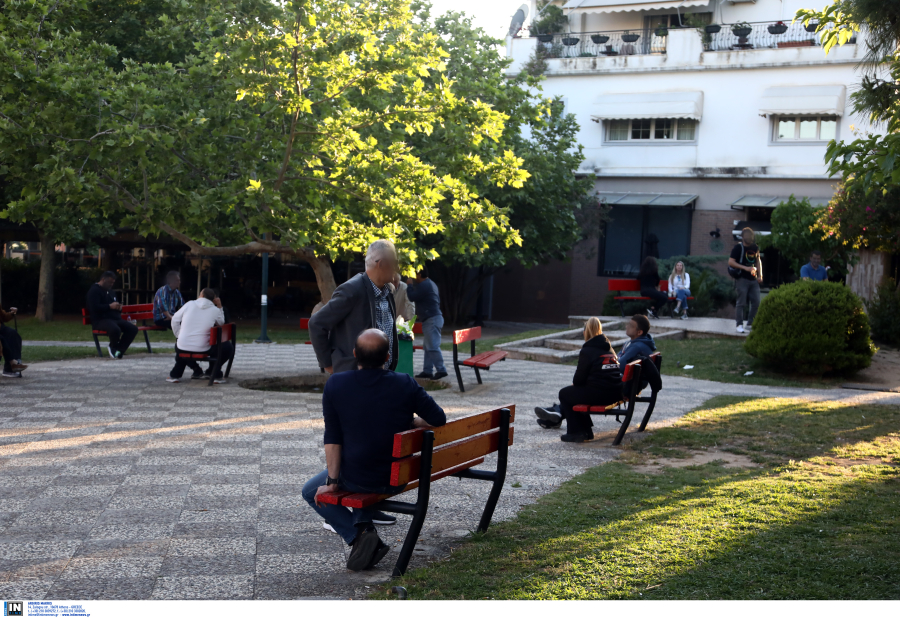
646	105
780	100
646	199
616	6
760	228
767	201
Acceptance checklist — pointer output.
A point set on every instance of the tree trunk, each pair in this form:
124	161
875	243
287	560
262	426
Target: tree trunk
45	284
324	276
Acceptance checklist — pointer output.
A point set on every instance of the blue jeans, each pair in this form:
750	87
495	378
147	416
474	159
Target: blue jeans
682	296
431	333
342	519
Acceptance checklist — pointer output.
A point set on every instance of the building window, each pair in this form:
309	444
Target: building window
624	243
653	130
805	128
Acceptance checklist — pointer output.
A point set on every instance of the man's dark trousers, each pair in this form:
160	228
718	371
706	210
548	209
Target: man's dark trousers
181	363
12	345
571	396
164	323
121	333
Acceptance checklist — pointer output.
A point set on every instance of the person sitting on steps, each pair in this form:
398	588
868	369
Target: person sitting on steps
597	382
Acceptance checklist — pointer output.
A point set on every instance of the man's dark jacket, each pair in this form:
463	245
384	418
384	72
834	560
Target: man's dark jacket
363	410
334	328
98	301
598	366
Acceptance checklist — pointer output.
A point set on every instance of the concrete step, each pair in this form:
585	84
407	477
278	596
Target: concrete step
564	344
542	354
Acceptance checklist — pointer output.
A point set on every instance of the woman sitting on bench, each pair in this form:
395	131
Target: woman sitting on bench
597	382
680	287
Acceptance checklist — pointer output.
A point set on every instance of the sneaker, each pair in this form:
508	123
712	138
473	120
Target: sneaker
439	375
12	374
425	376
380	553
111	353
220	380
552	417
199	375
748	328
740	328
365	546
573	437
383	519
118	355
329	527
173	380
17	366
547	424
652	314
677	308
684	314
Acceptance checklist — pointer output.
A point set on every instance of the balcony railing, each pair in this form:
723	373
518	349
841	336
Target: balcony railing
762	35
611	43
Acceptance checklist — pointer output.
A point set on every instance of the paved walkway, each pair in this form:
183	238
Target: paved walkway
117	485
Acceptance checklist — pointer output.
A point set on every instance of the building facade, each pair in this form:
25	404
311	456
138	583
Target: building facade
697	118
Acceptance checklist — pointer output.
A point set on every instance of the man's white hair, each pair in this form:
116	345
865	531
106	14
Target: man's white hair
378	250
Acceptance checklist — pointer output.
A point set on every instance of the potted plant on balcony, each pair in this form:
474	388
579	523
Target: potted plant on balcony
552	21
779	27
712	28
741	29
599	39
811	26
629	37
661	30
571	40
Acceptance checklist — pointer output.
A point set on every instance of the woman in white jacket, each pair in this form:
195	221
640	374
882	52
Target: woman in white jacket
680	287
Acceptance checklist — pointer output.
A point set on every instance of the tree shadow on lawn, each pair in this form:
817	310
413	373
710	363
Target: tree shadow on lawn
806	525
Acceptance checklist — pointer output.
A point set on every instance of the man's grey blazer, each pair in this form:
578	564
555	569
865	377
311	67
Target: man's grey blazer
334	328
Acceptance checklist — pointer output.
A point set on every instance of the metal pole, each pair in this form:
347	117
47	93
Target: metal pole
264	302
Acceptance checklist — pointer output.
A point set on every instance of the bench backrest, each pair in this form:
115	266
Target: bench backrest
468	334
137	312
624	285
227	330
456	443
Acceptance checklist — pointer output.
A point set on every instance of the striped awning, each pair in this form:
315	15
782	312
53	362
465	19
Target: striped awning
646	199
767	201
618	6
648	105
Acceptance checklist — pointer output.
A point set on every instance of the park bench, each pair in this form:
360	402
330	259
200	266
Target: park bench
631	374
475	361
633	285
136	312
424	456
217	335
417	329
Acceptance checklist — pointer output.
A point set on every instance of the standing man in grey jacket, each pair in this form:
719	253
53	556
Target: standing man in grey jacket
364	301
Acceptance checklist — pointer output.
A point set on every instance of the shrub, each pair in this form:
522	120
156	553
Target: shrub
884	313
812	327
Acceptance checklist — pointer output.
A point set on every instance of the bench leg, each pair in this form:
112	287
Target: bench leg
625	423
622	306
649	411
478	375
97	343
462	389
147	340
424	491
499	475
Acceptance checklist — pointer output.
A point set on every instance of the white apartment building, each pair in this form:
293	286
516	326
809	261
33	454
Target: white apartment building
689	133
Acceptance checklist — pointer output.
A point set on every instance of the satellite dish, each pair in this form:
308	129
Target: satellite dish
518	20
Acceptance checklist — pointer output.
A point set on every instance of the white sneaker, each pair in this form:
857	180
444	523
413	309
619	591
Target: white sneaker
110	350
328	527
740	328
747	328
173	380
12	374
220	381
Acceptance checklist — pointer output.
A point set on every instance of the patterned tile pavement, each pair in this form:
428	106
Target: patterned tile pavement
117	485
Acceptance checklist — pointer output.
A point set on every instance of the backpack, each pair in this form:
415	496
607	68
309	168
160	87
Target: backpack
735	273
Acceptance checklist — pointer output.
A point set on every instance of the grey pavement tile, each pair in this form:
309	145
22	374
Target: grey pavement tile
218	515
35	550
200	503
185	566
307	563
240	489
211	530
114	588
116	548
26	589
225	479
132	531
165	502
46	518
212	546
157	479
298	543
100	479
60	503
40	568
153	490
204	587
101	567
139	516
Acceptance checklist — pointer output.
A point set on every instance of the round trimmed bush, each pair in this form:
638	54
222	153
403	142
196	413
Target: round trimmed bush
812	327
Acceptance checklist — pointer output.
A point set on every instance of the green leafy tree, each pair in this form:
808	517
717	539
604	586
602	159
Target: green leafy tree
796	234
288	131
860	220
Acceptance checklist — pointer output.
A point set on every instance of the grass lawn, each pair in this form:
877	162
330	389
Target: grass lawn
817	519
724	360
486	344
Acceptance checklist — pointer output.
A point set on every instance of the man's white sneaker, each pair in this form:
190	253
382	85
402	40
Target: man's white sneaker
328	527
220	381
740	328
173	380
110	350
12	374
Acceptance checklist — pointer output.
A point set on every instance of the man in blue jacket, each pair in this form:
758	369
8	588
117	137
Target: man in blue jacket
424	292
641	344
363	410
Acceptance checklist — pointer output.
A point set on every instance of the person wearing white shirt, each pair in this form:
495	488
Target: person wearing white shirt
191	325
680	287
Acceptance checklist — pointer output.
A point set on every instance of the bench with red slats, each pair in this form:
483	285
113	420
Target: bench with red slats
417	329
633	285
631	374
424	456
136	312
217	336
475	361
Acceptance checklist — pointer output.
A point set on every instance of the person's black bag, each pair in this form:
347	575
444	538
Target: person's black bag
735	273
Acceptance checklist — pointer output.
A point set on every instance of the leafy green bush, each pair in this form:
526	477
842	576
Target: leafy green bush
552	21
812	327
884	313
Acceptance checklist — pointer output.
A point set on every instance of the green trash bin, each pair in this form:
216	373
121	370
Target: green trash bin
405	360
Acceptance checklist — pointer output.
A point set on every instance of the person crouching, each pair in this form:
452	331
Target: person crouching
191	325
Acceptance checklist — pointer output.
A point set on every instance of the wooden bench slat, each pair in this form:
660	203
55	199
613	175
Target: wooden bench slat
590	409
468	334
359	501
409	442
334	497
485	359
448	456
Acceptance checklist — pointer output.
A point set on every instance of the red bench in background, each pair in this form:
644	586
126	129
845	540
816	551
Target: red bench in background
632	373
475	361
136	312
424	456
217	336
633	285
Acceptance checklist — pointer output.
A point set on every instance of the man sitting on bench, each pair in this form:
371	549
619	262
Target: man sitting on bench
363	410
191	325
641	344
106	315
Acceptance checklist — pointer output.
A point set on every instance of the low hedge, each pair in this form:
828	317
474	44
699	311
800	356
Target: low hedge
884	313
813	328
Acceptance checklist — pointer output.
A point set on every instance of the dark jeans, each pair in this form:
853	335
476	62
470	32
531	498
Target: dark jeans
657	299
164	323
121	332
571	396
12	346
747	300
181	363
342	519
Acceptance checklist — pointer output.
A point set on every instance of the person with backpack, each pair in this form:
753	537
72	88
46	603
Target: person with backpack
597	382
745	268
